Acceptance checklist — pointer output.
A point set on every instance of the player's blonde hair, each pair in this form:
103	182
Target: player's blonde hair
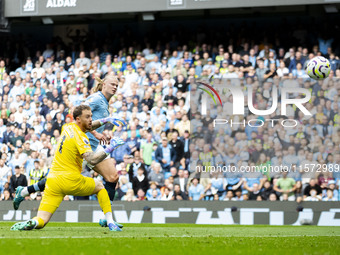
99	85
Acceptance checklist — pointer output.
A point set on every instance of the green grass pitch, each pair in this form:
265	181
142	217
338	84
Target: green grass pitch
90	238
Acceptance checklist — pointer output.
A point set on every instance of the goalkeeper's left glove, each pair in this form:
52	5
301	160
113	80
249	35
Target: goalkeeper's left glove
114	121
114	144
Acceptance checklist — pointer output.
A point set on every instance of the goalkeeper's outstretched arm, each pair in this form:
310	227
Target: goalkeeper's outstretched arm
115	121
95	157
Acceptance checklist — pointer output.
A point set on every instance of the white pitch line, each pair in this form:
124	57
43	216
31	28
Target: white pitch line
158	236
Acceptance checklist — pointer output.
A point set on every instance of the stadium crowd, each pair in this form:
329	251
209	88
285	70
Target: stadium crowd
167	137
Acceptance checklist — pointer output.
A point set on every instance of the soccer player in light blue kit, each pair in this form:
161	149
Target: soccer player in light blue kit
99	103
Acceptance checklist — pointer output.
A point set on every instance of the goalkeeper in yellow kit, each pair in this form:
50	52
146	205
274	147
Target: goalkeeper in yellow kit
65	178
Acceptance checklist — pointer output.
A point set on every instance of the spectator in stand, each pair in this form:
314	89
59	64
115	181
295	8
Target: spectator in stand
141	195
5	174
17	179
134	164
218	184
155	196
267	190
146	150
165	155
156	176
238	196
178	146
178	194
6	195
229	196
181	180
261	70
140	181
82	60
196	190
330	196
282	69
168	195
313	196
272	197
286	186
316	189
153	189
36	174
129	196
298	191
331	186
255	193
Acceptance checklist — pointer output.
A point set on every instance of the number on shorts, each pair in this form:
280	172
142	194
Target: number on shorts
61	144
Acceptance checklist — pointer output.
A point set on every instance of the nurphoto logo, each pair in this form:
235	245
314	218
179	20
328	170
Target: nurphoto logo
280	99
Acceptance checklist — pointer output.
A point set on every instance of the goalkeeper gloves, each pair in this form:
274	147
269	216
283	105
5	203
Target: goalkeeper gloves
114	144
114	121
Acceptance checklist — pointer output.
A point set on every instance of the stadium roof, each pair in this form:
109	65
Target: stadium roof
20	8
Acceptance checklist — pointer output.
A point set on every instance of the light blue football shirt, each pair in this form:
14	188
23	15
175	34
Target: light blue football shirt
100	109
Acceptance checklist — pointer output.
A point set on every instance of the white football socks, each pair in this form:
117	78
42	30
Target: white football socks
36	223
108	217
24	192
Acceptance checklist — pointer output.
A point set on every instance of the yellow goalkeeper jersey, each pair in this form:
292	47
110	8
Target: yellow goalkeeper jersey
72	144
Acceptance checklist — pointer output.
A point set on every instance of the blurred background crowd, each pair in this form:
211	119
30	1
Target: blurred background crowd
167	136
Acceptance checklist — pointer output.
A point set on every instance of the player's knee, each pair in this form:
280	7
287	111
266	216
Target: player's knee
99	186
113	177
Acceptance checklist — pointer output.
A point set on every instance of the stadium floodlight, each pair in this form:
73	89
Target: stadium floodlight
47	21
148	17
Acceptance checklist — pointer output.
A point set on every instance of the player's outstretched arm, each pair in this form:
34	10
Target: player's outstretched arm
96	124
95	157
115	121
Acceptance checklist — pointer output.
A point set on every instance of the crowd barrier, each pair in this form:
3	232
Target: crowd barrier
205	212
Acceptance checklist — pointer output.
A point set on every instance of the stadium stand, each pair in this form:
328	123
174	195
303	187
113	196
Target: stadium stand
39	87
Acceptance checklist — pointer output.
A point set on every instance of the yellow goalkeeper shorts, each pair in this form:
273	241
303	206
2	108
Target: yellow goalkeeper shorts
58	186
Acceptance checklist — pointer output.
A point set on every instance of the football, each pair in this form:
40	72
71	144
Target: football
318	68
